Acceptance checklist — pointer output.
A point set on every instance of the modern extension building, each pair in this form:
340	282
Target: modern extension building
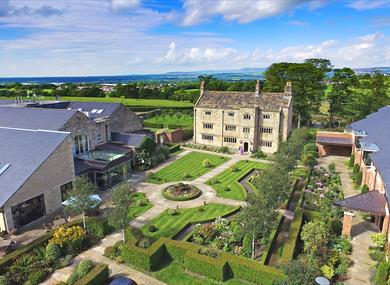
54	142
370	141
245	121
35	166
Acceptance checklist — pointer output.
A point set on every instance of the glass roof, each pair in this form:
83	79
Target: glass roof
101	155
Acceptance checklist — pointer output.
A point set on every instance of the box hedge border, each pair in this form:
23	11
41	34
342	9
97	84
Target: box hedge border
223	267
97	276
293	236
272	238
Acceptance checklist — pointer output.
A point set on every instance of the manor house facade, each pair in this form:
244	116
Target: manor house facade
245	121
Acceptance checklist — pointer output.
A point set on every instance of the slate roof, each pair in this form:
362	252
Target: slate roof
377	127
334	138
131	139
34	118
371	202
235	100
6	102
25	150
108	108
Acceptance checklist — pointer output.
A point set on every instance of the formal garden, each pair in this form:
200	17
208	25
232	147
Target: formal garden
181	192
227	183
187	168
172	119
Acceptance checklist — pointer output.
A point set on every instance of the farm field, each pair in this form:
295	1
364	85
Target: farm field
151	103
184	120
226	183
187	168
169	225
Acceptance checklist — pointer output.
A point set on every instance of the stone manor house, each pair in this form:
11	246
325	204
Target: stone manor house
44	145
245	121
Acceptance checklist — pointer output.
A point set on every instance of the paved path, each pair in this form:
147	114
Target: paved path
361	270
96	254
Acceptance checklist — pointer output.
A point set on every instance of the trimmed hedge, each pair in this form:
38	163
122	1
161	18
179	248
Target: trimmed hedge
176	126
272	238
97	276
293	237
188	133
223	267
173	147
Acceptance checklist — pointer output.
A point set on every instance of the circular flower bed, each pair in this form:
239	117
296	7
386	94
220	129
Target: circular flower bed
181	192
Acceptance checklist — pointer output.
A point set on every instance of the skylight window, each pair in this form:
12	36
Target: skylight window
4	167
100	111
93	111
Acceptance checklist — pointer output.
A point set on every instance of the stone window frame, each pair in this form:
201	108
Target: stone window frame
207	137
247	117
246	130
266	143
265	130
231	114
208	126
230	140
266	116
231	128
207	113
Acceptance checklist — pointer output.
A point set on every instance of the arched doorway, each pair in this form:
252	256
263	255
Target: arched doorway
246	146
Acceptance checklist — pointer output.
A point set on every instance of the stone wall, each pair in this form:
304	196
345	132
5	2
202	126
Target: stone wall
220	119
80	124
123	120
55	171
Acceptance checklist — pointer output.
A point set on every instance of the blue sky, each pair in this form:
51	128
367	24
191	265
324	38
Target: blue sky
109	37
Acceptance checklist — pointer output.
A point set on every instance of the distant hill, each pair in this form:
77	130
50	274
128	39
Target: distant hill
228	75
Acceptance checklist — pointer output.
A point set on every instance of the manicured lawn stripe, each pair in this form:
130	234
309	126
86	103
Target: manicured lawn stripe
169	225
191	164
229	178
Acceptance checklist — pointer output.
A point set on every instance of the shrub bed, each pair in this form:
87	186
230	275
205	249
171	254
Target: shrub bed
173	147
181	192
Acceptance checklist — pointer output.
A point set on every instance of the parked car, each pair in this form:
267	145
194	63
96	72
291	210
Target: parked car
122	280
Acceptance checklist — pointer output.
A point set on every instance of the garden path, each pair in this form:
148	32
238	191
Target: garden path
362	269
96	254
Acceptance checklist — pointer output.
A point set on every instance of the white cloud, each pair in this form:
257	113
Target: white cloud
369	4
125	4
243	11
368	50
298	23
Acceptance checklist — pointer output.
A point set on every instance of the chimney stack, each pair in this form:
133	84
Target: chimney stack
202	87
258	87
288	88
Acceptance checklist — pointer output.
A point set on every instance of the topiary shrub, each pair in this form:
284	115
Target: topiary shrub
206	163
3	280
359	177
84	267
186	175
364	189
145	242
173	212
152	228
35	277
351	161
382	274
52	252
227	189
234	168
356	168
110	252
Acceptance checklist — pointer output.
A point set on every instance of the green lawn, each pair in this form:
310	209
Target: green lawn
190	164
157	103
136	209
229	179
185	120
168	225
174	274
